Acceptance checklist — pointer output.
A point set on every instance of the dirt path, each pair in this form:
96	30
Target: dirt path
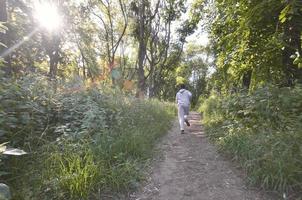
191	169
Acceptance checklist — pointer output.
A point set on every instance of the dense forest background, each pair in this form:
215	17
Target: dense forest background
76	77
136	46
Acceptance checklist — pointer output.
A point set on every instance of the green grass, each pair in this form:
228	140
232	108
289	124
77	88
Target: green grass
80	143
262	131
73	173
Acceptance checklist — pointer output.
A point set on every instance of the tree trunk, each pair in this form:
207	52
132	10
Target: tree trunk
246	80
53	49
4	37
141	71
141	51
3	19
53	65
83	62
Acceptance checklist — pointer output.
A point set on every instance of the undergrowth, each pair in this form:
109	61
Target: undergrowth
261	130
81	141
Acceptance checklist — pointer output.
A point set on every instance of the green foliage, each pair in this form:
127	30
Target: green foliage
79	140
26	110
261	130
253	45
3	29
73	173
180	80
190	25
195	69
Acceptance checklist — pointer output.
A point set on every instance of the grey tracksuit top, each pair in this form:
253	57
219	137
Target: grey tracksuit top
183	97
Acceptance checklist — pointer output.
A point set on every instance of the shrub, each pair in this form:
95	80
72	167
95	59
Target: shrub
79	139
263	131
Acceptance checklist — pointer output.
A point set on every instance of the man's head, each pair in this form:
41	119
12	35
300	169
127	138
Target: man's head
182	86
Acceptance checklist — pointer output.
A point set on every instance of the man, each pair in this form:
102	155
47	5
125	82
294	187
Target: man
183	98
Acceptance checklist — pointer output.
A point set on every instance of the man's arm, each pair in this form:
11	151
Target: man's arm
190	95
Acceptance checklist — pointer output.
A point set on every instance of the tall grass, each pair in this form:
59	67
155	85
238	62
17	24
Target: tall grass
81	141
263	131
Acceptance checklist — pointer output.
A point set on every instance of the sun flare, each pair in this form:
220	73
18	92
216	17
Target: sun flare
48	16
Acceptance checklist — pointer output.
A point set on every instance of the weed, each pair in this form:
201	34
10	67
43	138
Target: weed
262	130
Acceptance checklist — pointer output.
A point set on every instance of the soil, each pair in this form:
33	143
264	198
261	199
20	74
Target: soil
189	167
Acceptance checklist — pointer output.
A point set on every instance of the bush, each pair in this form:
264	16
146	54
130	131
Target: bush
263	131
79	139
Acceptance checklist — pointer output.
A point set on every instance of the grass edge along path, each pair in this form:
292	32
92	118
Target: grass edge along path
262	131
94	141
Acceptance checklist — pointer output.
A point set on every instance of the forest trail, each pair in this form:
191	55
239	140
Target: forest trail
190	168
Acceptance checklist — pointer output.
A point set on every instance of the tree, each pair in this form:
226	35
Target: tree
3	19
114	25
252	46
4	35
291	17
153	34
143	17
159	45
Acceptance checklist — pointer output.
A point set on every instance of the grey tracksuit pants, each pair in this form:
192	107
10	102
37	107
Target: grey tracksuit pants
183	112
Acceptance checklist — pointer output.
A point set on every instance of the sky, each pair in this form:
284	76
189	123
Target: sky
199	37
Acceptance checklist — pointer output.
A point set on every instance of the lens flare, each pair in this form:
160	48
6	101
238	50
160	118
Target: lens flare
18	44
48	16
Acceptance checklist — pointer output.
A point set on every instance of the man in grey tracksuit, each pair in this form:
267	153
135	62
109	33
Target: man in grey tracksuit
183	99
